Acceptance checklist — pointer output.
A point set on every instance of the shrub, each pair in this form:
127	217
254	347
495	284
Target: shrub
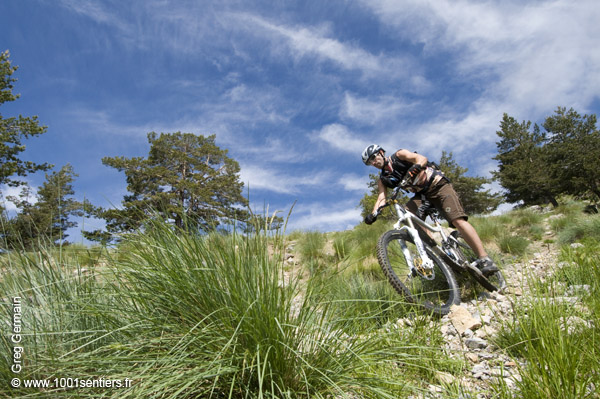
527	217
488	228
198	316
578	228
559	341
513	245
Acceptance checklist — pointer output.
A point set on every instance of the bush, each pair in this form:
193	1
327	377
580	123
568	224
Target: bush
488	228
527	217
310	245
199	316
578	228
359	300
513	245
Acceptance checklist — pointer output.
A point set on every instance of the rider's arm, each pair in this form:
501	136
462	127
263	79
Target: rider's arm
381	197
413	157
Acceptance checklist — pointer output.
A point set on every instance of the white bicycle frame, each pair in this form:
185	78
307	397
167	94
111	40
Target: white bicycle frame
406	221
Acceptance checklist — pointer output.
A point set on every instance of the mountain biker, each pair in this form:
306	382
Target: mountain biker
428	184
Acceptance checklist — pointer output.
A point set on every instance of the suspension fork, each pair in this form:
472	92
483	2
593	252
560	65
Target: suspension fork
424	264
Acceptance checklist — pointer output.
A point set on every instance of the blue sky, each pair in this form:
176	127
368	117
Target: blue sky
294	90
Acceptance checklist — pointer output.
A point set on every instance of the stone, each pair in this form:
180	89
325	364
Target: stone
472	357
476	343
584	289
445	378
462	320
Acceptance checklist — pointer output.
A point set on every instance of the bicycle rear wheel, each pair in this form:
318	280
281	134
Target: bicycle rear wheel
493	282
436	294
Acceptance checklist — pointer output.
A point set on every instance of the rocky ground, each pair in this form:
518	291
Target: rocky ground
470	328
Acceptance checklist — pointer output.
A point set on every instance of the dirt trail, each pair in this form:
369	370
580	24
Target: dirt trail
470	327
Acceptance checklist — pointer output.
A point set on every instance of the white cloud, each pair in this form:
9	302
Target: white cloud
324	217
537	55
305	41
8	191
93	11
352	182
262	177
373	111
525	59
339	137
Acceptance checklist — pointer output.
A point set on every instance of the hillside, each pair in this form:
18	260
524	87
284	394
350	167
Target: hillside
305	315
477	331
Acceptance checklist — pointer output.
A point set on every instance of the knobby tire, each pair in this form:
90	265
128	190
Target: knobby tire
493	282
436	295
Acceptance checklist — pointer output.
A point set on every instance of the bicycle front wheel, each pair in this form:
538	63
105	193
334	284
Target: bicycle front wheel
436	292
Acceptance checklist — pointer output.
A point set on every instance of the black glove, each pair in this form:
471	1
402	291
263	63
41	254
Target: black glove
370	218
413	171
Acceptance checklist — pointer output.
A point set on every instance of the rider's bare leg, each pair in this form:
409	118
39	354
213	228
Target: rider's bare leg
467	231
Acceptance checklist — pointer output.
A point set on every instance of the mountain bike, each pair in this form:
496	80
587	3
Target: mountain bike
421	269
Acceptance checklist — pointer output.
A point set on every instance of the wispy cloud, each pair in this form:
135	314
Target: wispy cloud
303	41
537	55
353	182
374	110
339	137
528	59
319	216
263	177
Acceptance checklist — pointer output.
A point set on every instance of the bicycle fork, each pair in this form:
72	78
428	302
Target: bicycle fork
422	263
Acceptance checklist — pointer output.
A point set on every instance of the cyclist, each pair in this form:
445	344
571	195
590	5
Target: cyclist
428	184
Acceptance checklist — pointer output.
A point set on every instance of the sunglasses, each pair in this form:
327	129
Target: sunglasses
371	159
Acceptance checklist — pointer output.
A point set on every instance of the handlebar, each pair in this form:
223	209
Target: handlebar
402	186
426	208
392	198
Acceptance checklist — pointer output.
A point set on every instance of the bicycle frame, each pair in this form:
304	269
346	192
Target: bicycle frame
406	221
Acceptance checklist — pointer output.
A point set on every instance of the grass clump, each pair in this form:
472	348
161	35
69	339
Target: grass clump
558	337
526	217
580	265
185	315
488	228
359	246
514	245
360	300
580	227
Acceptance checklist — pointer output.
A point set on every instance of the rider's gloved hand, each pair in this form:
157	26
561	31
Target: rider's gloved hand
414	170
370	218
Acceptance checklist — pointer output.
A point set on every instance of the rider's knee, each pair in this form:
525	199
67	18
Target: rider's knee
460	223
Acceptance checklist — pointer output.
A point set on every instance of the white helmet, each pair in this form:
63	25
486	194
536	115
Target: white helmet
369	151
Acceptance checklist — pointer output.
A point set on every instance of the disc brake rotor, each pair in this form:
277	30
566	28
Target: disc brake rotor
422	270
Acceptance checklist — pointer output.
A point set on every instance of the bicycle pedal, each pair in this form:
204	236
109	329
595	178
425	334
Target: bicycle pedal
474	269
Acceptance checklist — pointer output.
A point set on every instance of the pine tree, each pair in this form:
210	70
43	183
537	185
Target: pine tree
186	179
574	152
44	217
524	166
13	130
